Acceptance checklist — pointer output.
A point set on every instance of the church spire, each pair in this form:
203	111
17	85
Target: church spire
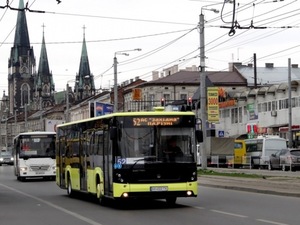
44	82
43	64
84	85
21	34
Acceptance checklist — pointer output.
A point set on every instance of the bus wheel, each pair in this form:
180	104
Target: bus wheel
100	195
21	178
171	200
69	188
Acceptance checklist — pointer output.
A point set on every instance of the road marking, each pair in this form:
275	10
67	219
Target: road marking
230	214
85	219
198	207
271	222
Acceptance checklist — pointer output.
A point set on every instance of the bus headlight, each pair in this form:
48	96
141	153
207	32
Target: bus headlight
125	195
23	168
189	193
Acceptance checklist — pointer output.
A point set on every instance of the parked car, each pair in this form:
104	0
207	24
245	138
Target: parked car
6	158
286	159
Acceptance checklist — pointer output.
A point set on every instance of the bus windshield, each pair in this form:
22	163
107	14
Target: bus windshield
32	147
156	142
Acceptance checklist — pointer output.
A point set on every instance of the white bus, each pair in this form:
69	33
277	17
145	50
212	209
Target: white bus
34	155
261	148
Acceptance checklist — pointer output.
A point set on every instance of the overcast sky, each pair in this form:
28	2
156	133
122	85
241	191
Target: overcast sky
165	30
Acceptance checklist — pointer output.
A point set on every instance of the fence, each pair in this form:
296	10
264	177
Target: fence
289	161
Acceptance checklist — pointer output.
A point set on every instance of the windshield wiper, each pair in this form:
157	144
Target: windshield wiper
146	158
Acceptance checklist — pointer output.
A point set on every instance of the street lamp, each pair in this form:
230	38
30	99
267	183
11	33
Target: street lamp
203	86
116	77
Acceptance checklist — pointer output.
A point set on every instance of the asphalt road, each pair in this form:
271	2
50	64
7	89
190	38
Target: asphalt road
38	202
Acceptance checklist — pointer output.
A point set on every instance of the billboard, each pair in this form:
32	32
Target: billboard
50	125
213	104
103	108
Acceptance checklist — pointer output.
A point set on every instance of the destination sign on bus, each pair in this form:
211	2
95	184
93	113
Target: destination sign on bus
155	121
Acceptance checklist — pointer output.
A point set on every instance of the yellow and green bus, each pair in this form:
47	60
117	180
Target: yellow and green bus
123	156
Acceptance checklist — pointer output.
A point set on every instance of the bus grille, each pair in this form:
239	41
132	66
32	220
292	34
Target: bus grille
39	168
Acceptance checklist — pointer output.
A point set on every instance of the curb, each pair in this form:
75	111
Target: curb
275	185
255	190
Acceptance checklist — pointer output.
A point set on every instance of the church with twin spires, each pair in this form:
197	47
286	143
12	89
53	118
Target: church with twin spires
35	89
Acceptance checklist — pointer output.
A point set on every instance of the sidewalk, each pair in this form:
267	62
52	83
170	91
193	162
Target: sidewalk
272	182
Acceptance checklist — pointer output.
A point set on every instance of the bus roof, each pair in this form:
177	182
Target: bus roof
36	133
139	113
264	138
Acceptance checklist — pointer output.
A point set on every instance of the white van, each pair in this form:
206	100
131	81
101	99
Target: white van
261	148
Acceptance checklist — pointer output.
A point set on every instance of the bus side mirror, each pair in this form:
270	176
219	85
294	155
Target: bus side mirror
199	136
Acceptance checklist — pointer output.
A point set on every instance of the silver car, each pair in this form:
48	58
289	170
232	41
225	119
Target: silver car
6	158
286	159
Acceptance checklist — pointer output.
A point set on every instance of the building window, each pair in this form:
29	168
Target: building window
24	94
226	113
240	114
264	107
274	105
151	97
183	96
234	115
167	97
293	102
283	104
259	107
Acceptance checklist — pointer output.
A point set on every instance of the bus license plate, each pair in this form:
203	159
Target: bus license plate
160	188
38	173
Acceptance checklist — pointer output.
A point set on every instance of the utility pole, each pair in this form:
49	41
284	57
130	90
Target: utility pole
116	108
290	104
67	102
203	93
255	70
115	85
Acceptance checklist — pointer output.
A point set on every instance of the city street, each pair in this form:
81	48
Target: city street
38	202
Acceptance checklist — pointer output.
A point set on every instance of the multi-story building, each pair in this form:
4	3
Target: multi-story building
265	106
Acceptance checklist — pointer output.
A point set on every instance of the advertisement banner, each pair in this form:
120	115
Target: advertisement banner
103	108
137	94
252	112
213	104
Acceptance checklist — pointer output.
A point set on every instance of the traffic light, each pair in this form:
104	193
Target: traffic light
162	102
